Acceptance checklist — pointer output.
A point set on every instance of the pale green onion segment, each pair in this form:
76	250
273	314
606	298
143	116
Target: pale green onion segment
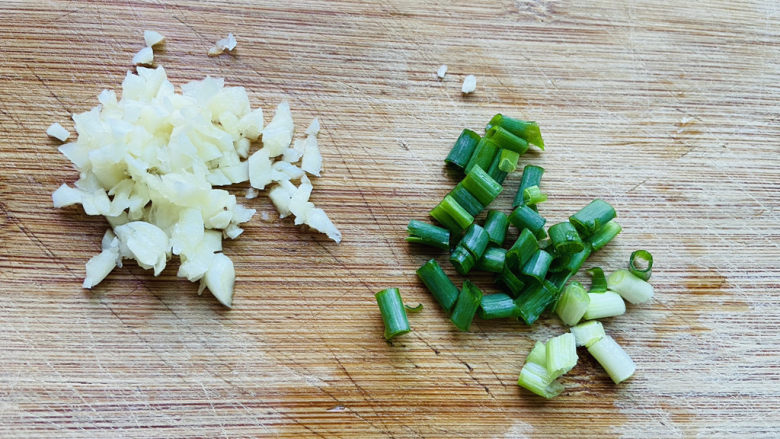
572	304
585	334
630	287
602	305
561	354
613	359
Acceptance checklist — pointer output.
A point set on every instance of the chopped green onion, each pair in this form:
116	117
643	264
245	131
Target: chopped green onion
428	234
495	172
461	152
559	279
508	159
521	251
534	300
605	234
452	215
497	306
602	305
545	243
561	354
630	287
507	140
534	377
475	240
538	354
393	314
592	217
613	359
533	196
510	281
571	263
565	239
481	185
598	283
641	264
492	260
527	130
466	200
532	176
572	304
496	224
537	266
585	334
468	301
414	309
483	155
462	260
441	287
524	217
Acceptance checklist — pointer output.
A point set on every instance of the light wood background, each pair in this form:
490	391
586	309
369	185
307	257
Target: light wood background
668	110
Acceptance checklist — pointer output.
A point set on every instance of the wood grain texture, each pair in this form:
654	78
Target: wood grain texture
668	110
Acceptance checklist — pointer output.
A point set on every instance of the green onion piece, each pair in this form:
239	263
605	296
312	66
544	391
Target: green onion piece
527	130
521	251
537	266
545	243
508	159
592	217
475	240
534	377
598	283
538	354
630	287
461	152
585	334
462	260
532	176
393	314
428	234
533	301
641	264
510	281
481	185
559	279
571	263
496	224
441	287
565	238
533	196
572	304
561	354
495	172
452	215
492	260
602	305
468	301
466	200
613	359
605	234
497	306
483	155
524	217
414	309
507	140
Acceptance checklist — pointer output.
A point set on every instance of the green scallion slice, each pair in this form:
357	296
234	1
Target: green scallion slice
603	305
534	377
533	196
507	140
527	130
466	200
565	239
393	314
512	283
497	306
466	307
585	334
521	251
523	217
592	217
475	240
452	215
462	260
613	359
641	264
532	176
598	283
630	287
441	287
572	304
414	309
561	354
483	155
428	234
571	263
534	300
481	185
496	224
605	234
537	266
495	172
508	159
538	354
492	260
463	149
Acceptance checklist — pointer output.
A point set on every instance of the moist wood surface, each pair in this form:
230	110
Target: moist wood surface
668	110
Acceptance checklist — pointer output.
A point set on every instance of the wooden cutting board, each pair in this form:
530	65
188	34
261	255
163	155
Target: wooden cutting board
668	110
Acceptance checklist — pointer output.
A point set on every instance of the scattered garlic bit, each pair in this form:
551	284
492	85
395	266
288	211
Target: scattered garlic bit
314	127
442	71
222	45
277	135
312	159
153	38
469	84
251	193
144	56
58	132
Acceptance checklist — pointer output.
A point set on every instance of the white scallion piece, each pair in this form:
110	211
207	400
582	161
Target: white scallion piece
630	287
613	359
585	334
602	305
58	132
469	84
561	354
572	304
